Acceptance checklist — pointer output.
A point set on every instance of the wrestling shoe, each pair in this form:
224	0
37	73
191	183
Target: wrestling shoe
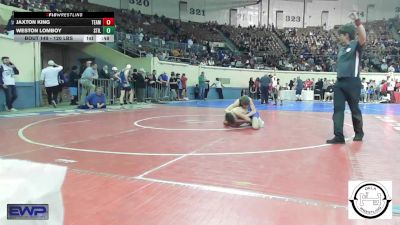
335	140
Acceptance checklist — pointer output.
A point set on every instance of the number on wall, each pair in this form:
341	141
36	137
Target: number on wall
145	3
293	19
198	12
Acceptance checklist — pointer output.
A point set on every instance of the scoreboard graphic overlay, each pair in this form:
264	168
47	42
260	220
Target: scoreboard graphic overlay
64	26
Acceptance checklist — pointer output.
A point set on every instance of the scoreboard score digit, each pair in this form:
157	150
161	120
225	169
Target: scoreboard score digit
64	27
108	21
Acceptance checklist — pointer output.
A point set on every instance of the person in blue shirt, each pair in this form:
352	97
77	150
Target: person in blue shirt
96	100
397	68
163	79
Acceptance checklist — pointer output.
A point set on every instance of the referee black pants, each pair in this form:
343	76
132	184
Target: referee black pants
347	89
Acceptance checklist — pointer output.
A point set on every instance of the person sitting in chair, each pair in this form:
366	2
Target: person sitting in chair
329	92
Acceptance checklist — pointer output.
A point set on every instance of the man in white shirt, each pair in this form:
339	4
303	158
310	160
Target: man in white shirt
219	86
141	37
384	66
7	82
190	43
51	81
391	68
364	90
211	62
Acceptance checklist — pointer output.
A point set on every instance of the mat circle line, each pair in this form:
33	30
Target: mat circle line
24	138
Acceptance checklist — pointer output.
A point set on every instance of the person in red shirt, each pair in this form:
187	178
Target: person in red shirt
184	90
386	96
384	88
308	84
397	86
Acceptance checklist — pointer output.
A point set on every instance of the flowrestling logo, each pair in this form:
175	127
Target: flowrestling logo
371	200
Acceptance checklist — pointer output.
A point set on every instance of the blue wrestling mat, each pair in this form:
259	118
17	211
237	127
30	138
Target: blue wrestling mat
304	106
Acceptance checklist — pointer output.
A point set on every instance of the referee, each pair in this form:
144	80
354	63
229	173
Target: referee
348	85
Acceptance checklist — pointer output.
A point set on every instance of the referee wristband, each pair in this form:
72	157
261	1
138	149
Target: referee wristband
357	22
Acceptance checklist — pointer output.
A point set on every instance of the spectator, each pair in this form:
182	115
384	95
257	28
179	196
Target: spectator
7	82
307	84
95	100
50	77
251	84
180	88
257	85
299	88
25	4
397	87
61	81
219	86
114	84
132	82
173	85
371	91
291	84
318	87
384	88
104	73
190	43
87	78
140	85
53	6
11	26
87	64
202	85
207	89
163	79
277	92
391	86
184	86
329	92
386	97
73	79
265	83
151	85
211	62
141	35
392	68
274	81
397	68
364	93
324	87
197	92
384	66
252	89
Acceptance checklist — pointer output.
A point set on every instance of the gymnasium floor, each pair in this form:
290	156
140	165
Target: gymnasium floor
176	164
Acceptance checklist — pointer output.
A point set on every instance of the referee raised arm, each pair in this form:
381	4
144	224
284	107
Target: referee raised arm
348	85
